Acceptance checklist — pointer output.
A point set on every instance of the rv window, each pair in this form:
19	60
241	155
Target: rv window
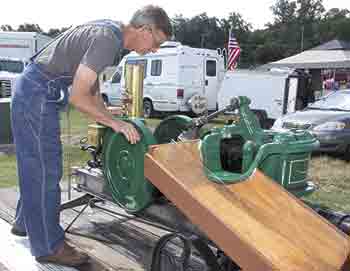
211	68
156	68
116	77
139	61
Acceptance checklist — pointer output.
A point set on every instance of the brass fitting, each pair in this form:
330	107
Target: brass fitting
133	94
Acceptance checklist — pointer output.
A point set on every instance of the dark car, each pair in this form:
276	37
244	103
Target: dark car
328	119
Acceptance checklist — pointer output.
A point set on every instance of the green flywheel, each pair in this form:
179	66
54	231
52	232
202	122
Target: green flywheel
171	127
123	167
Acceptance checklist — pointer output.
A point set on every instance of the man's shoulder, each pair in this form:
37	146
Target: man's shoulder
105	27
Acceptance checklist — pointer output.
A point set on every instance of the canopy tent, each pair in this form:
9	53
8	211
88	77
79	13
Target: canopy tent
331	55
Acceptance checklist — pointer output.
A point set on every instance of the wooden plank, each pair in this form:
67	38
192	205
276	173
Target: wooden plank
256	222
13	248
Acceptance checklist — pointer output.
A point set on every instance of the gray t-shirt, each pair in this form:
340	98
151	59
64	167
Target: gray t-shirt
95	46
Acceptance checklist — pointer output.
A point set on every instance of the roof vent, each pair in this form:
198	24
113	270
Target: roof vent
170	44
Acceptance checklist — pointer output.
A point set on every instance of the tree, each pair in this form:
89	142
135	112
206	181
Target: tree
27	27
6	27
199	31
54	32
309	17
179	27
335	24
310	10
269	52
336	13
284	11
284	31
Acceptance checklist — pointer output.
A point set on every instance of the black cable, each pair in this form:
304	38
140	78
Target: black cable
157	251
194	241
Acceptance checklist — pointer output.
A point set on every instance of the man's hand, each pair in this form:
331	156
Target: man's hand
85	97
127	129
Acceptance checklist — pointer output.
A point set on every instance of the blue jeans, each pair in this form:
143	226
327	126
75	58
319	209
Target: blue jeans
36	130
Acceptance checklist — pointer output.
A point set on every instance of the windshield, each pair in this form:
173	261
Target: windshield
11	66
336	101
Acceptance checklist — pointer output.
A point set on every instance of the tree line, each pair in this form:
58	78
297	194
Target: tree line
296	26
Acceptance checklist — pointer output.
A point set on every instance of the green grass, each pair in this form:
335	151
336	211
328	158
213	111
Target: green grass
8	171
331	175
78	123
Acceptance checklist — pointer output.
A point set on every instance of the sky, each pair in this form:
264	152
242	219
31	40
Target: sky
56	14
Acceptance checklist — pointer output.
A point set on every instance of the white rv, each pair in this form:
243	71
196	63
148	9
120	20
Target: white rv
21	45
177	79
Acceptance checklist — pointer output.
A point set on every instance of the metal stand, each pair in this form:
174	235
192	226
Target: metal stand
85	200
90	200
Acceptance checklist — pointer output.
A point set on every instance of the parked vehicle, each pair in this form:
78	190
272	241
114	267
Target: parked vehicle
328	119
111	89
21	45
183	79
174	75
9	70
273	93
15	50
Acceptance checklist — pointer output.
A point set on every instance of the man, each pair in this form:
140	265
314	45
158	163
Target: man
75	58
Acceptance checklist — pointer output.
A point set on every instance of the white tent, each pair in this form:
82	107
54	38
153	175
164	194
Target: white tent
331	55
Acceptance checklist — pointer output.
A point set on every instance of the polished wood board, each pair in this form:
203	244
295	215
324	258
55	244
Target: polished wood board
256	222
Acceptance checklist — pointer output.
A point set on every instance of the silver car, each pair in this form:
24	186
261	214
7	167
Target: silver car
328	119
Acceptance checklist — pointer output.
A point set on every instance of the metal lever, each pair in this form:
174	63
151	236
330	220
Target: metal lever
193	130
199	122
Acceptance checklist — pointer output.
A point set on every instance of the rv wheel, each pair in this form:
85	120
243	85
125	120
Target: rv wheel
148	109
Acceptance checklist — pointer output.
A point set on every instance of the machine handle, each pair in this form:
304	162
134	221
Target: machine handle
199	122
194	126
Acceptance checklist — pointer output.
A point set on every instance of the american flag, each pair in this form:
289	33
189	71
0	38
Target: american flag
233	52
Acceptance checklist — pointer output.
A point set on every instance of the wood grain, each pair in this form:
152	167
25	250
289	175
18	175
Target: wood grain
256	222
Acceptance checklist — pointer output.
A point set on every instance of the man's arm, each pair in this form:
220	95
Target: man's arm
85	98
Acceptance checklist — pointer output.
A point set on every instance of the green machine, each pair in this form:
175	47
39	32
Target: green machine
230	154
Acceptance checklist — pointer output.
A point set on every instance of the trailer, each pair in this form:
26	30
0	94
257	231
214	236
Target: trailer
21	45
15	50
272	93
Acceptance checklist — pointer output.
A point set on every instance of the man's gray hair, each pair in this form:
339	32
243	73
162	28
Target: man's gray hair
152	16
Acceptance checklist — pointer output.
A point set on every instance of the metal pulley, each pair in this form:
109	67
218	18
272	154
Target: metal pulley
170	128
123	167
123	163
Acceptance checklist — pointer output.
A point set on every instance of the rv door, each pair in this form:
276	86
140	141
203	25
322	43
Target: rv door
290	95
211	82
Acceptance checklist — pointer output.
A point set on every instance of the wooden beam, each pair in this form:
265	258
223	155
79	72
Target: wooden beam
256	222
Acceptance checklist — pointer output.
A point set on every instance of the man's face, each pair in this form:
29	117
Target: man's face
149	40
